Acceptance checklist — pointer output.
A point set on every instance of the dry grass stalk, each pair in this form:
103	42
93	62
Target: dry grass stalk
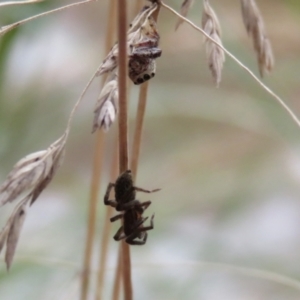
137	138
185	7
98	156
123	129
215	54
106	233
7	28
256	29
118	277
7	3
95	184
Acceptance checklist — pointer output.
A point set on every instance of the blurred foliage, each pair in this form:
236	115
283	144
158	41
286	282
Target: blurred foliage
227	159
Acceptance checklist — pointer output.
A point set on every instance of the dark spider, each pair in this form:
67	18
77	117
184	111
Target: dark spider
125	193
133	228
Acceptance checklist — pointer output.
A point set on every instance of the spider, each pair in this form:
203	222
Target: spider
133	209
141	64
133	230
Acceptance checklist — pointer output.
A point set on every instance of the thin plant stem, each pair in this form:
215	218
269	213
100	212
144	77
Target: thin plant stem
94	190
266	88
98	151
123	126
118	276
7	28
123	135
92	214
135	153
7	3
106	234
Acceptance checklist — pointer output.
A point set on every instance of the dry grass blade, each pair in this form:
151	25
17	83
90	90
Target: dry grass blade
107	105
31	172
215	54
255	27
7	3
14	233
185	7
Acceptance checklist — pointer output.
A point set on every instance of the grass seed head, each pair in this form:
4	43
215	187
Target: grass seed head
254	24
185	7
214	53
107	106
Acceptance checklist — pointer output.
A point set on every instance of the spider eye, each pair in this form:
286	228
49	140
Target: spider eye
139	80
147	77
152	74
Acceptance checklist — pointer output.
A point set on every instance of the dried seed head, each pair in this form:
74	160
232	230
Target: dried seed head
31	171
31	174
9	235
215	55
185	7
210	21
14	233
254	24
141	18
106	107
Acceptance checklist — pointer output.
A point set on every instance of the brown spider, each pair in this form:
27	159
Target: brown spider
133	228
133	209
141	64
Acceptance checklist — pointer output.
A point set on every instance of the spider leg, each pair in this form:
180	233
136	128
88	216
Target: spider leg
112	203
116	217
130	239
120	234
150	227
145	191
140	232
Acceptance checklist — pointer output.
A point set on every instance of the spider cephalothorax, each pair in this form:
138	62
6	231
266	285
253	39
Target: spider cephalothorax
133	209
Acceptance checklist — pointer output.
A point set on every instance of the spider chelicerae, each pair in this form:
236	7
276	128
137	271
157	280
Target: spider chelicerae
132	210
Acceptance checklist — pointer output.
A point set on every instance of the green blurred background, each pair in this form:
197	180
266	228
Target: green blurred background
227	159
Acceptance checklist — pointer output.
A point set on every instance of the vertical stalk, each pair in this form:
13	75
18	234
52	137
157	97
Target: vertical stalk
123	138
110	33
122	37
106	235
135	153
96	174
118	276
92	214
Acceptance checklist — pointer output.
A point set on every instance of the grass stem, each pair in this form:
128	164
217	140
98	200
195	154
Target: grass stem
123	127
